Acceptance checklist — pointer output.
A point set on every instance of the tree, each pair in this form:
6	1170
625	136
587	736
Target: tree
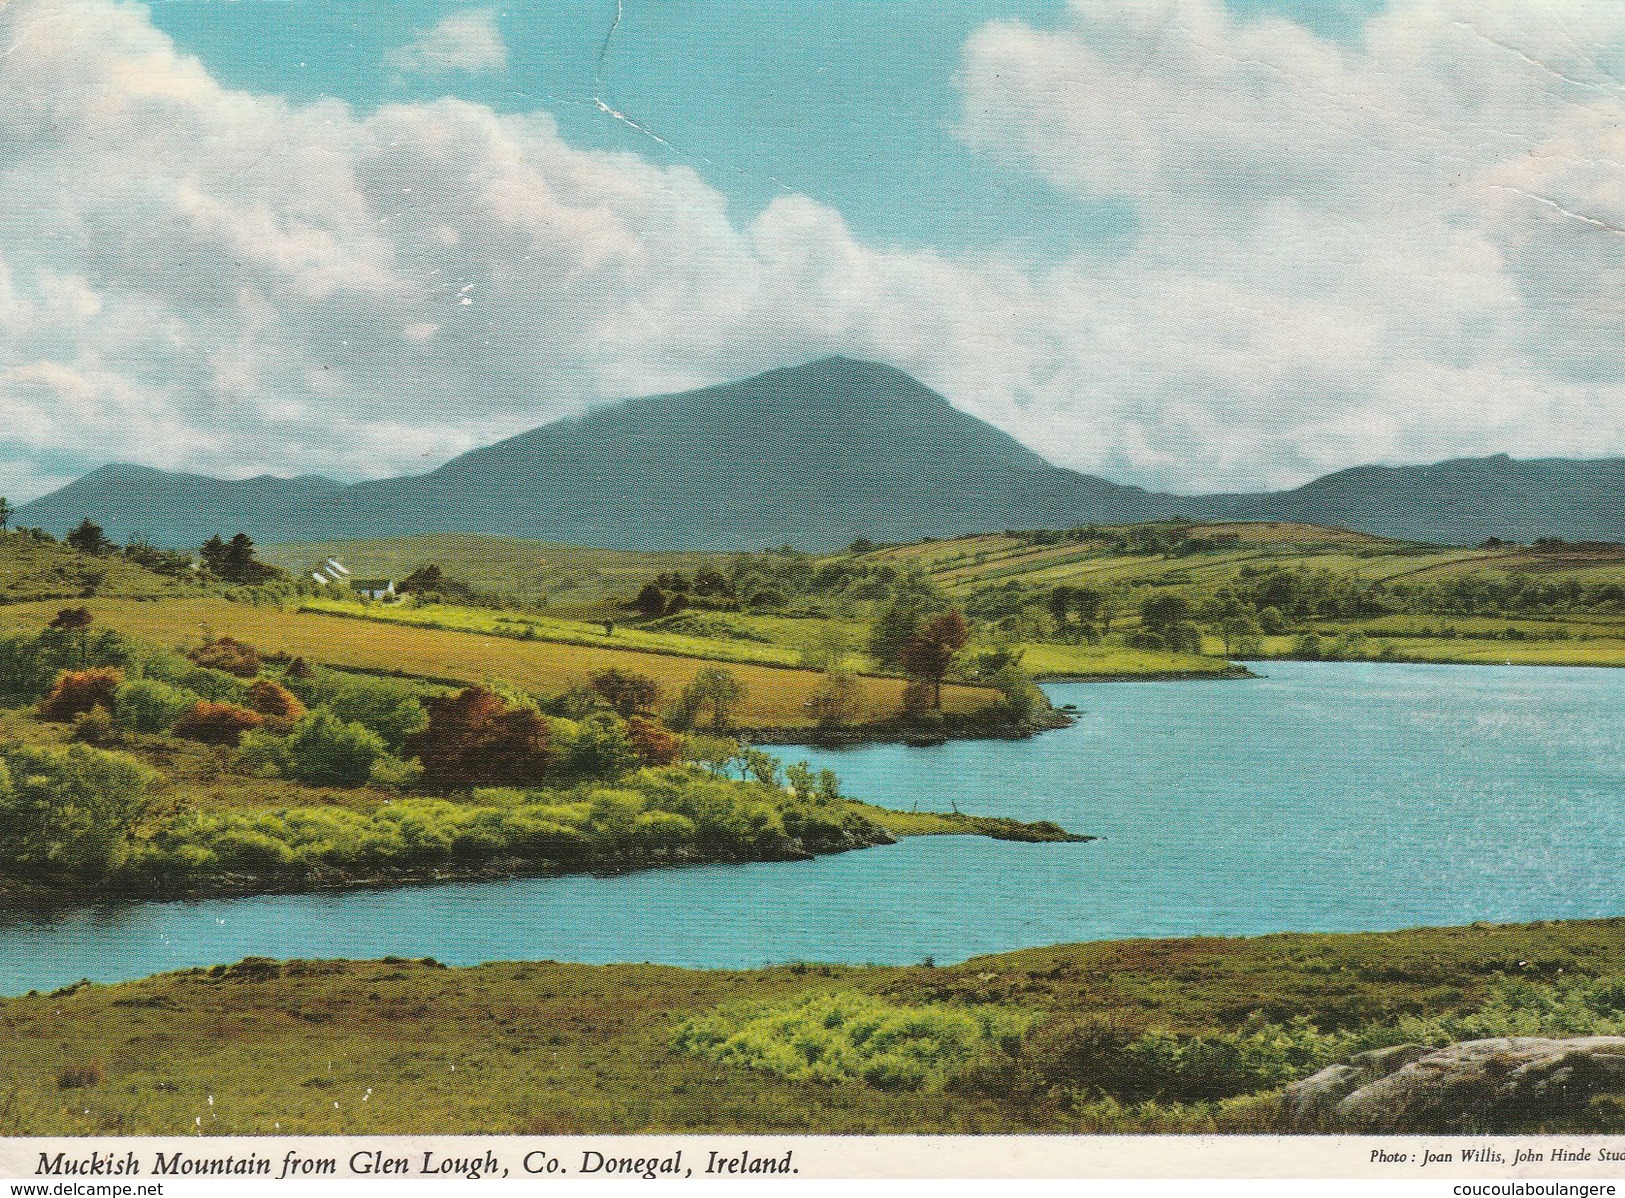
474	738
1234	629
326	751
898	622
627	691
76	622
651	601
1161	612
89	539
69	808
717	689
836	700
240	565
931	651
213	553
6	511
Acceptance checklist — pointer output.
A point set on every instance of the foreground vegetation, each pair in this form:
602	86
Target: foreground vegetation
132	767
1137	1036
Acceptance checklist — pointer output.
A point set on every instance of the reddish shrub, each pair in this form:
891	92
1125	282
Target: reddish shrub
217	723
475	739
654	743
280	706
77	691
231	656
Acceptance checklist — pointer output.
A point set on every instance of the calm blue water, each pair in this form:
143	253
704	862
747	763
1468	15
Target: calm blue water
1328	797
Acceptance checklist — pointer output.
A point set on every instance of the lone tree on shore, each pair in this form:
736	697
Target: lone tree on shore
931	650
717	689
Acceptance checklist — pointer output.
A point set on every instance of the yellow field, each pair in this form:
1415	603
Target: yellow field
776	696
1044	660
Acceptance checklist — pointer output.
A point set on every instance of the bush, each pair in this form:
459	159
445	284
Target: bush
626	691
654	744
149	706
389	708
849	1036
217	723
77	691
280	706
324	750
836	700
475	739
79	1077
95	727
228	656
69	808
597	747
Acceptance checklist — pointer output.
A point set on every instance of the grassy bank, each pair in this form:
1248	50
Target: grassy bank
1135	1036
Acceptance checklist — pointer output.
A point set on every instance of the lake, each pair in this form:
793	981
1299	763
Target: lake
1322	797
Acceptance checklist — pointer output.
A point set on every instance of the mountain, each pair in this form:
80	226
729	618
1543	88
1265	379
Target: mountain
1459	502
175	510
815	456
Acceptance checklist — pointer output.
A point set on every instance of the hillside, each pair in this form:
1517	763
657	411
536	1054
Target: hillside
1151	1036
539	573
178	511
1458	502
815	456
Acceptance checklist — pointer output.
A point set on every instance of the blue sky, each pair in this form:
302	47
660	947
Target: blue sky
1196	245
847	101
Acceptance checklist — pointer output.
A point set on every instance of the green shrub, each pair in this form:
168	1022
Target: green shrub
849	1036
69	808
324	750
387	707
147	705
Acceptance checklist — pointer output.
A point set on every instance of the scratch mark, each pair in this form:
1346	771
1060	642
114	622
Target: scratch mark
1556	207
22	36
1529	60
598	83
609	110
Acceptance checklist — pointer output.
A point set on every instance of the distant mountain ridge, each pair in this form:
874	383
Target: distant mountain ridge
815	456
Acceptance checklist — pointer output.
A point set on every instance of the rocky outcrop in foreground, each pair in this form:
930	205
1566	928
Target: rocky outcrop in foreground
1499	1085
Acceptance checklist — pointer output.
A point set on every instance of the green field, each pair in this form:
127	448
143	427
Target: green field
1137	1036
567	578
775	697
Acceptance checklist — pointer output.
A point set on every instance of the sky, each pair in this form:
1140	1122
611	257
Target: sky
1195	245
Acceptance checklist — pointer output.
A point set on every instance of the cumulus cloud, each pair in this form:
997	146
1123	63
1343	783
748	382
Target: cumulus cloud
467	41
1399	250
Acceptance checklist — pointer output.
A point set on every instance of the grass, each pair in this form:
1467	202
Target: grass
456	618
32	570
1045	660
560	576
402	1047
776	697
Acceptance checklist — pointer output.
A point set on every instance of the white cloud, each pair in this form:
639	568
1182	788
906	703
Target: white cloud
1401	250
467	41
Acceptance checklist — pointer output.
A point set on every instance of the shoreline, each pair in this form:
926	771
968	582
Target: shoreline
44	898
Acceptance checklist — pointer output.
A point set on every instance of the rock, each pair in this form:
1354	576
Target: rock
1477	1086
1308	1104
